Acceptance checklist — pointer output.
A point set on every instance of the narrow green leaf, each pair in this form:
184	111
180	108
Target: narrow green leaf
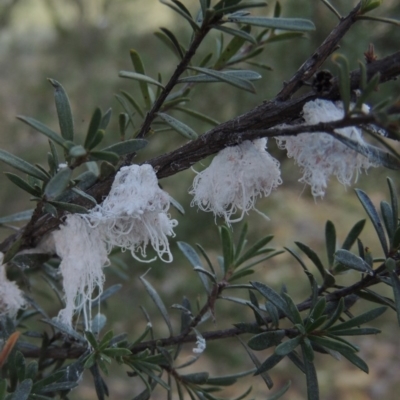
312	255
368	89
396	291
269	363
260	65
287	24
188	18
19	216
287	347
311	377
373	153
98	138
253	250
227	247
265	340
352	261
197	115
248	75
277	395
21	165
285	36
273	297
139	68
374	297
335	315
99	384
353	235
194	259
94	126
331	344
294	312
175	43
23	390
387	216
127	147
360	319
58	183
72	208
393	202
23	184
63	111
44	129
357	332
139	77
231	49
158	302
106	119
264	375
344	80
231	79
236	6
109	156
198	378
357	361
237	32
373	215
330	240
133	102
77	151
178	126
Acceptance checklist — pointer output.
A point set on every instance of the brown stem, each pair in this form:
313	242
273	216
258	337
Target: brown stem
314	62
77	351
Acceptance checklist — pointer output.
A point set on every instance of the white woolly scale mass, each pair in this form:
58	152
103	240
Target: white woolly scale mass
83	256
235	178
134	213
11	297
319	154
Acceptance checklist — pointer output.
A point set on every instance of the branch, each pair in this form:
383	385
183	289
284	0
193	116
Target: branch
75	351
329	45
229	133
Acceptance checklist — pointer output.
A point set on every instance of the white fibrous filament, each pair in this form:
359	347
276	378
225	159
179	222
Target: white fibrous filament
236	177
200	344
11	297
319	154
83	256
134	214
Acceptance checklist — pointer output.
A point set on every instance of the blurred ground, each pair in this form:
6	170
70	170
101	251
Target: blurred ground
84	45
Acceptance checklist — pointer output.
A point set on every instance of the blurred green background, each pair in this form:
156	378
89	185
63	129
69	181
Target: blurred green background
83	44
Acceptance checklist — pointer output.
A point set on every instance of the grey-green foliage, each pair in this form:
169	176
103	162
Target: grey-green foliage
273	318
